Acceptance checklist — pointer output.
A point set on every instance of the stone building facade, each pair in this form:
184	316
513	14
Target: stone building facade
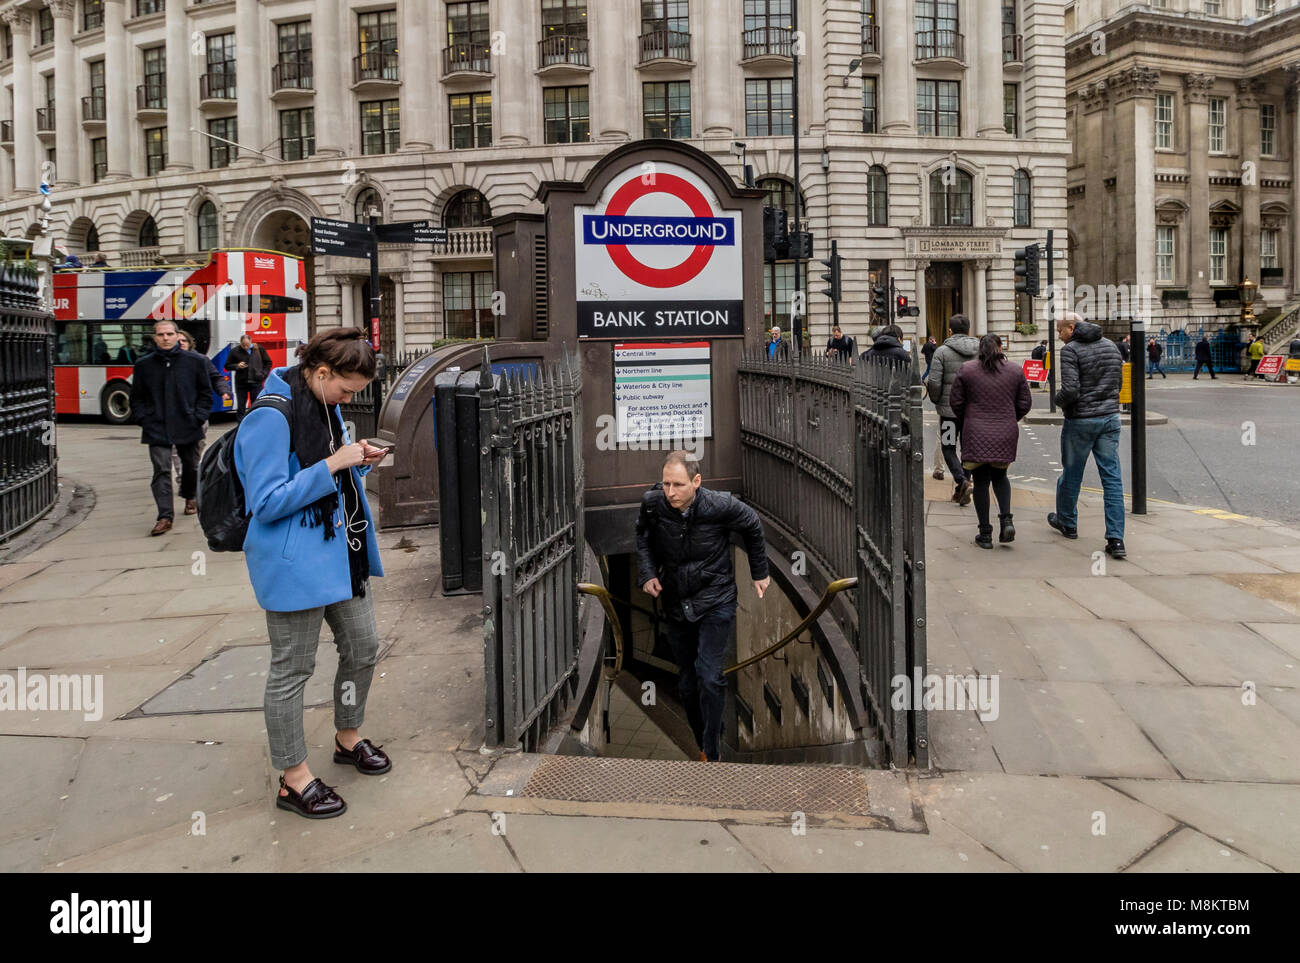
1185	175
933	132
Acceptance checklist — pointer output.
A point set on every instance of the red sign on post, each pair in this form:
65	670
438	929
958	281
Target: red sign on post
1035	371
374	333
1270	366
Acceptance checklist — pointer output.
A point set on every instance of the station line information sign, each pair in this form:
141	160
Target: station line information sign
658	257
663	391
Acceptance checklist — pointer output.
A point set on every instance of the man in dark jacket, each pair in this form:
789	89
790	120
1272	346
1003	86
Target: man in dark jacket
1205	357
776	347
250	364
952	354
1154	353
1040	351
683	550
1125	348
927	352
1091	372
839	346
171	398
887	347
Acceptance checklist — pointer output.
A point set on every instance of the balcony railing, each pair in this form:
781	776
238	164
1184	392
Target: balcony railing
218	85
139	256
292	75
471	57
1013	48
466	242
151	97
665	45
45	119
6	131
871	38
92	107
767	42
563	50
933	44
375	65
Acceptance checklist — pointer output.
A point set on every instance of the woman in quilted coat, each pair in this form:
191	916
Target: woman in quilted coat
989	397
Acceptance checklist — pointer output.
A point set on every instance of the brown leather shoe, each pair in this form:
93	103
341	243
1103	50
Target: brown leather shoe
162	525
190	507
365	755
316	801
703	756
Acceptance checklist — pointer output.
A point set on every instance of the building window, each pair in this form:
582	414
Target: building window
50	96
666	109
670	21
877	197
377	45
207	226
7	38
1165	254
950	204
466	209
1164	121
297	133
468	35
155	151
99	158
1218	255
769	107
1218	123
1267	129
155	77
293	46
1022	198
221	66
870	27
1268	249
937	29
778	287
145	7
44	26
92	14
564	18
938	108
780	194
1011	109
1212	7
148	236
467	304
471	120
869	103
220	152
1264	7
92	238
367	201
381	126
95	109
767	28
566	115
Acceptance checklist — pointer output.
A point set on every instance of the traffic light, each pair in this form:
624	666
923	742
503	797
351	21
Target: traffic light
801	245
902	311
832	277
880	302
776	241
1027	270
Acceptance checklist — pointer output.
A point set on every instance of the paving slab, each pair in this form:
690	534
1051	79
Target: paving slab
122	562
1284	559
139	642
1207	733
12	572
42	589
1218	653
1092	651
1203	563
48	767
995	647
958	741
994	596
1112	597
1187	851
123	689
1207	598
463	843
25	854
61	548
1285	635
615	845
179	578
1279	590
207	600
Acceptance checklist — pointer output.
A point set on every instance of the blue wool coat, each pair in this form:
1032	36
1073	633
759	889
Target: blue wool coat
292	566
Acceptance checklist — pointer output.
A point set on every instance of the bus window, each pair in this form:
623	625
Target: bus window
266	304
121	342
70	346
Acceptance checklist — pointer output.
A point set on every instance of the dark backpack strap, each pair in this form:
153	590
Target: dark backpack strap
281	404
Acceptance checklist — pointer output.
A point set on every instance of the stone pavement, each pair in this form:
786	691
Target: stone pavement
1148	716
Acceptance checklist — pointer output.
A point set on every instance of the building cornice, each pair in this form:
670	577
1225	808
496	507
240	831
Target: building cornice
1198	87
1135	81
1144	26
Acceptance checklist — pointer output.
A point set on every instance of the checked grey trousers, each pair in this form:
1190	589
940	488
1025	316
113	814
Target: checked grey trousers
294	638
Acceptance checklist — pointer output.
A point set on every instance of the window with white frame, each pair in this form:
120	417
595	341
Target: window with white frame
1264	7
1164	254
1267	129
1164	121
1218	255
1268	248
1213	7
1218	124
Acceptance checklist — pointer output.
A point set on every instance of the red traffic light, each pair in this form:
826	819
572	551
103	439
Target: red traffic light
902	301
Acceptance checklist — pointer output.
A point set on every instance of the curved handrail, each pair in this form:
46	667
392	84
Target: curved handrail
607	603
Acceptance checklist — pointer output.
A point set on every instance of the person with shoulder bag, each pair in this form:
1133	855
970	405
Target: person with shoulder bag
310	549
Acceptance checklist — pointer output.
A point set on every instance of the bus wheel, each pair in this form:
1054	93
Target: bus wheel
115	403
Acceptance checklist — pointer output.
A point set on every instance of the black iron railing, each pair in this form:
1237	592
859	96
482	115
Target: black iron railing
665	45
563	50
375	65
151	97
292	74
45	119
767	42
471	57
871	38
218	85
933	44
92	107
6	131
1013	48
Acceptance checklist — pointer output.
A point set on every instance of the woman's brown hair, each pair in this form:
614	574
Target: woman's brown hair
991	356
344	351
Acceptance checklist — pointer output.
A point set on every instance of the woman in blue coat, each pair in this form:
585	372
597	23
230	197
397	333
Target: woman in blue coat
310	549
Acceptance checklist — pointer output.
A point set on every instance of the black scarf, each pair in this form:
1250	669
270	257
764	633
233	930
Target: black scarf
317	432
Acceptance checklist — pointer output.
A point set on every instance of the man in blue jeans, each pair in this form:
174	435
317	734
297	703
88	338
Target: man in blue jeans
683	551
1091	371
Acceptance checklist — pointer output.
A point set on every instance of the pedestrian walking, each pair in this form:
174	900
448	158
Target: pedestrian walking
1091	374
250	364
220	388
171	398
948	359
887	348
927	352
1204	357
776	347
989	397
1256	352
1154	353
683	549
839	346
310	550
1125	345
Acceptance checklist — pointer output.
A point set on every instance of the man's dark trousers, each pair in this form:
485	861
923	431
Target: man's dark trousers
699	649
161	485
949	435
1207	365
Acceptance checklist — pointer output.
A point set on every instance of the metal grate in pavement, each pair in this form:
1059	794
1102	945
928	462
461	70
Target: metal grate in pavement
712	785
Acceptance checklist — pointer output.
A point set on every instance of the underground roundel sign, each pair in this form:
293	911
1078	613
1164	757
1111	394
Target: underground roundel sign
658	257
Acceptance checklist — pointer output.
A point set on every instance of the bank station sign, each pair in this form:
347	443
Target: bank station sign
658	257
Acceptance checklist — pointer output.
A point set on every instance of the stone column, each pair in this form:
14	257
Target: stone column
512	72
611	26
1095	103
332	107
1133	93
182	69
26	172
711	50
347	305
1197	92
417	52
1248	92
117	93
981	318
986	57
399	322
67	114
254	83
1293	106
920	322
897	37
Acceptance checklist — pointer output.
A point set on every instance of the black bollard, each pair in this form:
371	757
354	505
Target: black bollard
1138	417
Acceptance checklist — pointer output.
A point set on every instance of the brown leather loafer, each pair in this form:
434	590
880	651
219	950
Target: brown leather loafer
365	755
162	525
316	801
191	508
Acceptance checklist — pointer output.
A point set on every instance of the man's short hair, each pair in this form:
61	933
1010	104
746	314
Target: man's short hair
959	324
775	329
165	321
688	461
891	331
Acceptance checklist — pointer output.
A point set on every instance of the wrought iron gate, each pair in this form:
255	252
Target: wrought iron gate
531	473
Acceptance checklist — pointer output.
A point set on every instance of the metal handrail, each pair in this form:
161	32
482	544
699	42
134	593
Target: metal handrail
607	603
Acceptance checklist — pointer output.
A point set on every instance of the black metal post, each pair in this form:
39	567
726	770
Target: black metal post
1138	415
798	262
374	284
893	299
1051	328
835	302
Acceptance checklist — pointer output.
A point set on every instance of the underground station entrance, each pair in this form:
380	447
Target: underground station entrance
632	326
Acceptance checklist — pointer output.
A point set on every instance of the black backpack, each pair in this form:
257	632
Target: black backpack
222	513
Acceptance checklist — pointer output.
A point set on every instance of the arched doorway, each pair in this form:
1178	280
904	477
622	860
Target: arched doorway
287	232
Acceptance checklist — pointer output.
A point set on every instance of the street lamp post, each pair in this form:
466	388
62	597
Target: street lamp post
1247	291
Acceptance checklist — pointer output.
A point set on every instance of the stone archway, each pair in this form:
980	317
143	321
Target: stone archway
286	231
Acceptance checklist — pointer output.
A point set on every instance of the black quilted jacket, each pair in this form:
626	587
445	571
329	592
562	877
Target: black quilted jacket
1091	372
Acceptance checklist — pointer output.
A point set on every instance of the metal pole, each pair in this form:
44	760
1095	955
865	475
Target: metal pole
1138	416
794	89
893	299
1051	328
374	283
835	302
